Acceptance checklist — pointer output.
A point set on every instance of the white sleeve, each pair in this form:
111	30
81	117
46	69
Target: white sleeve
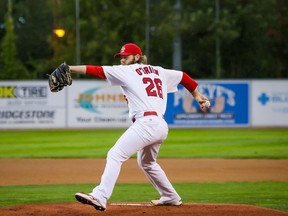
173	78
115	75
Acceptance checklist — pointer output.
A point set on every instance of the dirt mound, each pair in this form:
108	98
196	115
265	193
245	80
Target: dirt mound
133	209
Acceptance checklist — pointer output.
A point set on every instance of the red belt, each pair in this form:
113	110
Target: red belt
147	113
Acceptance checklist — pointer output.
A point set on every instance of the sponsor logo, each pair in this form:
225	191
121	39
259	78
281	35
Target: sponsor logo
7	91
223	107
27	114
273	98
25	92
102	101
263	99
209	91
219	96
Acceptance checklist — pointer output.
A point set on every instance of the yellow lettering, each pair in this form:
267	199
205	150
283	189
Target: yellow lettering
7	92
100	97
111	97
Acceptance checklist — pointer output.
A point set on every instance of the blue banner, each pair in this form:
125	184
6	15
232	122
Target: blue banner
229	105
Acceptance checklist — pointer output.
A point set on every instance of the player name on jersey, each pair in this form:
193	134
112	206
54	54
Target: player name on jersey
146	70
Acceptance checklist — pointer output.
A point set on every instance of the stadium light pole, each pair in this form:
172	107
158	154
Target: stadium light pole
147	28
77	15
217	42
177	42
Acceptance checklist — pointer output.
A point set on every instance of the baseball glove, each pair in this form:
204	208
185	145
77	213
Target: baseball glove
60	78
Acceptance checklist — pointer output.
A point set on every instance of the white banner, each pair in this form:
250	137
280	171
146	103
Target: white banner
96	104
269	103
30	104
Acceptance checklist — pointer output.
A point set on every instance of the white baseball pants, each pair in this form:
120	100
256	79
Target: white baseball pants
144	136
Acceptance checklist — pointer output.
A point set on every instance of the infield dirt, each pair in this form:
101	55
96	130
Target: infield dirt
82	171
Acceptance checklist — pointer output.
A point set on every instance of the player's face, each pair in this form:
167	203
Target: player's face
127	60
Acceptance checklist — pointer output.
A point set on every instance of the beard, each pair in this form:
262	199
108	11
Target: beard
133	60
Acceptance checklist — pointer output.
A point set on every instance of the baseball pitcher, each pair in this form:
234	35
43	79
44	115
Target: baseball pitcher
145	87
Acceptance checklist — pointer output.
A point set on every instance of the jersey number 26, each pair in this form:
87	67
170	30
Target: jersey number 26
154	87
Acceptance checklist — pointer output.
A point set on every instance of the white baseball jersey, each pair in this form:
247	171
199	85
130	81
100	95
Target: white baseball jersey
144	86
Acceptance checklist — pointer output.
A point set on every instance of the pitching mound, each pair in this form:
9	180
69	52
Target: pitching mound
129	209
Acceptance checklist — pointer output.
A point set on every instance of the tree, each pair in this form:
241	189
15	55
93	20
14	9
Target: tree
11	67
33	26
252	34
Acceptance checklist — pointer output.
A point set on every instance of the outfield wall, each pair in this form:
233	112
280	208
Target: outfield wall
94	104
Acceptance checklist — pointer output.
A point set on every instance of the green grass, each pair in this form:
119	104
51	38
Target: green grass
265	194
57	143
181	143
227	143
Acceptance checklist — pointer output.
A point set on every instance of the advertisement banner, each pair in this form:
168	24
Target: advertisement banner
269	103
30	104
96	104
229	105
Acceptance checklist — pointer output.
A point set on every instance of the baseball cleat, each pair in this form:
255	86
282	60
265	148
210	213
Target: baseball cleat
89	200
159	202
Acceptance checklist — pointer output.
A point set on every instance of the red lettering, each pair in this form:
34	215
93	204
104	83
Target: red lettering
146	70
138	71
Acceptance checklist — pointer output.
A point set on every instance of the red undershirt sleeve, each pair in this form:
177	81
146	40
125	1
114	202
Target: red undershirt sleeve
95	71
188	82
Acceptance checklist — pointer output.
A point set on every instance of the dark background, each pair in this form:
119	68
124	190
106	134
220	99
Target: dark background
210	39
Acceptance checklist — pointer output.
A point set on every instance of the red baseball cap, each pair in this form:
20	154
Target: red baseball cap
129	49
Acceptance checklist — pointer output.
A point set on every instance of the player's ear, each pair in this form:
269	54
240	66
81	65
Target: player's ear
137	57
